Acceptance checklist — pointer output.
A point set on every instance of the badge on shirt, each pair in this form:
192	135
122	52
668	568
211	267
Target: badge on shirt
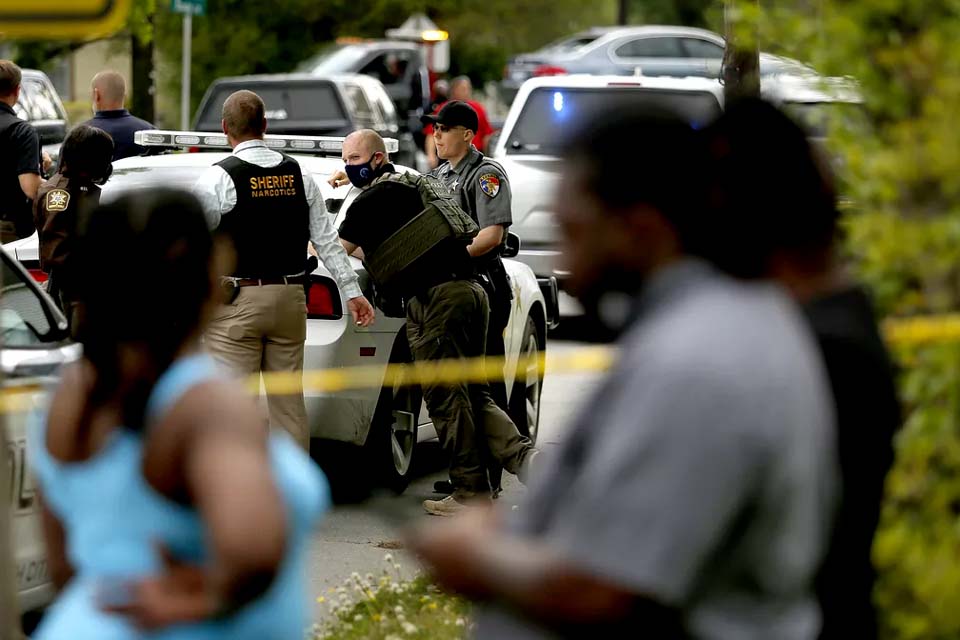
490	184
57	200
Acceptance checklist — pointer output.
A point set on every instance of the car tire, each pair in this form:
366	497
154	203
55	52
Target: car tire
528	384
391	445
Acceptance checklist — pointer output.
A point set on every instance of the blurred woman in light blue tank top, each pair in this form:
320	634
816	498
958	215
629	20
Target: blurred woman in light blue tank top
170	510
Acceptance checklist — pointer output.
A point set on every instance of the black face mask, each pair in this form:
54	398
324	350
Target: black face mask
361	175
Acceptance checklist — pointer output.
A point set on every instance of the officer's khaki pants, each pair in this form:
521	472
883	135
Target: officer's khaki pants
264	329
450	321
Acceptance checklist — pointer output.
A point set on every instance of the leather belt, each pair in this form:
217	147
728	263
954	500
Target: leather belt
259	282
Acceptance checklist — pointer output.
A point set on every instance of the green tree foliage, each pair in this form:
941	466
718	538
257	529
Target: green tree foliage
238	37
902	174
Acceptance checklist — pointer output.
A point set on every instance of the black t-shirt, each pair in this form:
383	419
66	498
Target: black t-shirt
379	212
868	415
19	154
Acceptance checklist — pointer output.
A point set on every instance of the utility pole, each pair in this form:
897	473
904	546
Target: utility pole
741	59
622	12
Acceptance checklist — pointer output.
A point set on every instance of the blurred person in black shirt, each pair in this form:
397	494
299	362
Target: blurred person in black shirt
20	160
777	218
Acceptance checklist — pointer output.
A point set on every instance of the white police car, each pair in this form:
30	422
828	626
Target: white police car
386	422
547	108
33	347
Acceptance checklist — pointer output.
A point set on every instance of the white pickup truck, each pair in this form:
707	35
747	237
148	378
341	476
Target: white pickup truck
547	108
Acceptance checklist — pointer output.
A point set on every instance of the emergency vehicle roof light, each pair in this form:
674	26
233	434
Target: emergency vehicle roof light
313	145
434	35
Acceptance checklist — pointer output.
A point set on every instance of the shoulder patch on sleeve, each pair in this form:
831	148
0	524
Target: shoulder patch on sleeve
57	200
490	184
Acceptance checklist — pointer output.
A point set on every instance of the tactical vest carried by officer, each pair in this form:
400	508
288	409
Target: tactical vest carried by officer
270	226
15	207
441	219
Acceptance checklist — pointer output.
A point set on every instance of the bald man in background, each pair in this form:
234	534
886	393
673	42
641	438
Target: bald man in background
109	92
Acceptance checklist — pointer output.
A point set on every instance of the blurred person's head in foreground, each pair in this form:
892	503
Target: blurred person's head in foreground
628	203
162	263
773	198
87	154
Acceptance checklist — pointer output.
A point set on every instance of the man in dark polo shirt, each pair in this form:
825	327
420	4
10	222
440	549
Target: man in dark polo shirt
109	94
19	160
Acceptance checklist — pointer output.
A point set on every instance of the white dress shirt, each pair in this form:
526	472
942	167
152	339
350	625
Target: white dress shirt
218	196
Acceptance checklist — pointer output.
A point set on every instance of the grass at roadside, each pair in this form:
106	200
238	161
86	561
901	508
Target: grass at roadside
388	607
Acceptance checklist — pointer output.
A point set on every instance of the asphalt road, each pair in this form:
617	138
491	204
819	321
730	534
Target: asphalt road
356	537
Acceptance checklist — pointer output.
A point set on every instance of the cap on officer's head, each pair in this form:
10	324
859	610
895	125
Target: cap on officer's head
455	114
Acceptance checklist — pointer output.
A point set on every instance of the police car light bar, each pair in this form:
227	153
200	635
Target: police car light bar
319	145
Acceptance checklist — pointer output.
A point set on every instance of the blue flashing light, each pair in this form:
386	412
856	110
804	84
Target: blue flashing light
557	101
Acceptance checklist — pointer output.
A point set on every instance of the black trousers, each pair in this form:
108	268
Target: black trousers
450	321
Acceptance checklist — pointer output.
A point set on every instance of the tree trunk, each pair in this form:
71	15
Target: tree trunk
622	11
142	91
741	59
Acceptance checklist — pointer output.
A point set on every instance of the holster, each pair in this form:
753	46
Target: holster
493	277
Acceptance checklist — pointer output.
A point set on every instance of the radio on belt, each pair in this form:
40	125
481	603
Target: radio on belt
312	145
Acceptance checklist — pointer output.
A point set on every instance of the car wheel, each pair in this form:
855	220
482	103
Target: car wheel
393	435
525	396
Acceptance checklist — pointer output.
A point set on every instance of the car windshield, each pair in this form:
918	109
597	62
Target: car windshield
23	321
569	45
549	113
286	103
338	58
43	105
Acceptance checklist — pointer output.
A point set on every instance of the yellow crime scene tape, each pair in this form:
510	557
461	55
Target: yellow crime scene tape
919	331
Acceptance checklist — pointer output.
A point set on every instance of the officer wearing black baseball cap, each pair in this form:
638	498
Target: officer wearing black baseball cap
481	186
454	114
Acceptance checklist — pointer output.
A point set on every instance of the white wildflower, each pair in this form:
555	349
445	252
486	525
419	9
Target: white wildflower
409	628
461	622
388	558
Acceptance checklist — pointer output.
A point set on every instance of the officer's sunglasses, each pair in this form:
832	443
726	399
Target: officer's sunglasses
442	128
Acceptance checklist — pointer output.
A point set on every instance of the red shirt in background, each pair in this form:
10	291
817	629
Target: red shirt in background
485	130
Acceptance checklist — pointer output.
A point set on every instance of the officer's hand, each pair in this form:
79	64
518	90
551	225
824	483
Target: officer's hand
47	162
339	179
362	311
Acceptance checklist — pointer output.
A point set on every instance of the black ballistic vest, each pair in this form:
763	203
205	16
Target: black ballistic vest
270	226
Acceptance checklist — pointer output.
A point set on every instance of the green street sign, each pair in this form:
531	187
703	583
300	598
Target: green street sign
193	7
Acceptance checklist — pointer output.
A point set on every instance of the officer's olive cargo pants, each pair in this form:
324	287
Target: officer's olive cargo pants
450	321
264	329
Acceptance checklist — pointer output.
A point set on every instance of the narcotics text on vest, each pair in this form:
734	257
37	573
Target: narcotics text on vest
270	224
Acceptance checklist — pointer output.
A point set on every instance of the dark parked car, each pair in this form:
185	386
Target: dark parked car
646	50
40	105
303	104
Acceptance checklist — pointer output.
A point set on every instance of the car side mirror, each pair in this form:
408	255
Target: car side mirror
333	205
512	247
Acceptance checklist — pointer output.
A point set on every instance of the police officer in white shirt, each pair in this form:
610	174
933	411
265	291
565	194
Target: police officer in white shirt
269	207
